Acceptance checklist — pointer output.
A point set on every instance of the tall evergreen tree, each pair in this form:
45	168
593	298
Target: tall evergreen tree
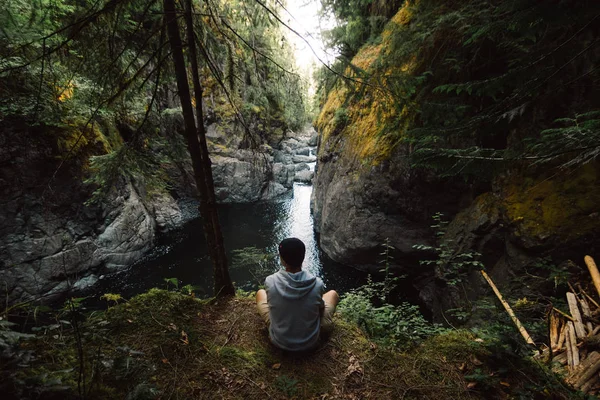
196	144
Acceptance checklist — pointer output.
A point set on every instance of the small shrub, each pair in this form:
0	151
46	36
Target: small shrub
452	266
340	117
399	326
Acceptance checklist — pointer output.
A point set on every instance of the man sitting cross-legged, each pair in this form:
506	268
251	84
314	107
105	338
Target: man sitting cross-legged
293	305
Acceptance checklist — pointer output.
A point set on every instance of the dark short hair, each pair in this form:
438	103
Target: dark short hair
292	251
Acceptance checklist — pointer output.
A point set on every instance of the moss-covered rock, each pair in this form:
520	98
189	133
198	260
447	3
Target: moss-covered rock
554	207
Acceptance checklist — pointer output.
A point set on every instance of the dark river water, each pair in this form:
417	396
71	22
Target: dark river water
254	229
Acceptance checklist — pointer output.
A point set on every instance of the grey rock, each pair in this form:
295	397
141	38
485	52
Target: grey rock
305	151
304	176
291	144
284	174
274	189
356	207
280	156
238	181
166	212
86	282
129	235
304	159
314	139
302	167
216	134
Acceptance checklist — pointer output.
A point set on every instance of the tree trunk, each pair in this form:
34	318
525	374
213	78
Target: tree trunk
201	166
222	280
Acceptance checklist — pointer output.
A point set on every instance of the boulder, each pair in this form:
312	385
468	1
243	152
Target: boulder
216	134
304	176
291	144
40	265
129	235
238	181
166	212
305	151
284	174
351	198
314	139
302	167
304	159
280	156
274	189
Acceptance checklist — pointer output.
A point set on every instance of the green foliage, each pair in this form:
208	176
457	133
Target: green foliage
173	282
175	285
81	65
452	266
141	164
258	262
472	87
112	298
358	22
340	117
400	326
189	289
286	385
574	144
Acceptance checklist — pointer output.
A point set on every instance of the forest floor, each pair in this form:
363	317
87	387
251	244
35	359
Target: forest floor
167	345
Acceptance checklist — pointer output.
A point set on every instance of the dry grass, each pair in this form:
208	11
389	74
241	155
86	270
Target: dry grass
170	346
228	355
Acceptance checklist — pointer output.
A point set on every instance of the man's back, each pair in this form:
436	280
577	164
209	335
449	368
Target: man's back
295	302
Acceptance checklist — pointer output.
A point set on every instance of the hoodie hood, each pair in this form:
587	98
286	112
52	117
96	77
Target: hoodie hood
294	285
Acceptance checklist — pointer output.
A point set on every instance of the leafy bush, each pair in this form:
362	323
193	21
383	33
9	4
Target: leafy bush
452	266
340	117
400	326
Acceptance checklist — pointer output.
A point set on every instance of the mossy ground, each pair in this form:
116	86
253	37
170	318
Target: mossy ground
169	346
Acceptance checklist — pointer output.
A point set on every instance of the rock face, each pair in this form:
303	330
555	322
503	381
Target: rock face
48	235
356	209
357	206
243	175
50	240
367	190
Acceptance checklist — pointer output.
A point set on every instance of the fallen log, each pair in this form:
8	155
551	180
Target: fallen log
573	343
508	309
585	375
585	307
568	346
554	322
577	373
561	337
585	388
577	320
589	261
561	358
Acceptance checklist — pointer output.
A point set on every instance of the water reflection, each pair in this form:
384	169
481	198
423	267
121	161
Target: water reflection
182	253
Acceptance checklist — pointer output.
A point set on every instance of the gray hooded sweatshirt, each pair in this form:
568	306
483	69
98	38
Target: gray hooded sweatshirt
295	301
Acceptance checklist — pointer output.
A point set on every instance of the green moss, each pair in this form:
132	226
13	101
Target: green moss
182	347
373	122
561	205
